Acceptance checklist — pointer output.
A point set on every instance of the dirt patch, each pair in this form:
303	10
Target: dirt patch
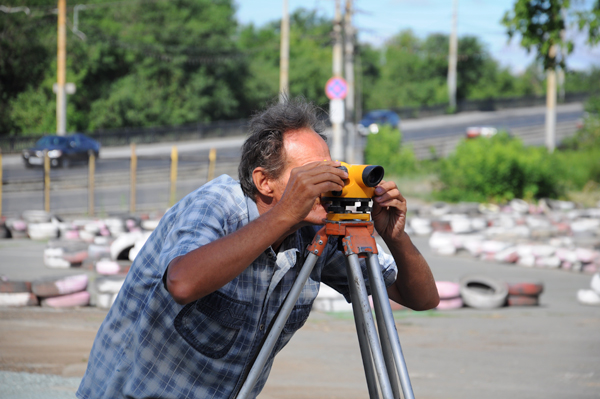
47	341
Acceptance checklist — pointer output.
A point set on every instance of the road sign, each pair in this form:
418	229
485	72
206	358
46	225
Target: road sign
336	88
336	111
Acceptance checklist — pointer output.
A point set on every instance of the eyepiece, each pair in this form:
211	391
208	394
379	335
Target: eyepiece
372	175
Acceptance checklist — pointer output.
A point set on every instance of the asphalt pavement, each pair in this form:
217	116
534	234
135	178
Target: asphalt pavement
547	351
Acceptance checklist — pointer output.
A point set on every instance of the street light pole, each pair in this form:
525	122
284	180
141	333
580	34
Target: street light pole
284	55
349	67
337	150
452	59
61	95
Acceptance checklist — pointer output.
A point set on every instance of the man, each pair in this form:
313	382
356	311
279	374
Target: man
202	293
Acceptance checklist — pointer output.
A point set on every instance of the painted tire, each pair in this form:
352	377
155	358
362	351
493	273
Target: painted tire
81	298
454	303
482	292
531	289
596	283
14	286
54	286
105	300
109	284
523	300
18	299
448	289
76	258
588	297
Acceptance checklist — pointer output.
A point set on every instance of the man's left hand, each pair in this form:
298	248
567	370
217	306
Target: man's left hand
389	211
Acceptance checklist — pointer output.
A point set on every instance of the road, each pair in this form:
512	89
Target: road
23	188
550	351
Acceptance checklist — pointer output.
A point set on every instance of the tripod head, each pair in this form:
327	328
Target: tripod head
354	201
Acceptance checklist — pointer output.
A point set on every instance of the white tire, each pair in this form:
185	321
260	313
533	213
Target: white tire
482	292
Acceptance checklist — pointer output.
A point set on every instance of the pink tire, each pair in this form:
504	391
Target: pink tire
448	289
453	303
81	298
54	286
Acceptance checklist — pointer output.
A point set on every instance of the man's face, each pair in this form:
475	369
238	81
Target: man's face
301	147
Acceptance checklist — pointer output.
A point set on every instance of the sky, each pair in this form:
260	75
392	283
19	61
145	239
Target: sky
378	20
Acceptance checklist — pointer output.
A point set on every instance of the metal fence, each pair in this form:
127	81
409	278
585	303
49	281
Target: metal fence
491	104
198	131
141	135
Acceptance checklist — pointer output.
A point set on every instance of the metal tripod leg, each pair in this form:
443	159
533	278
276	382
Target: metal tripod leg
365	350
355	277
278	325
382	305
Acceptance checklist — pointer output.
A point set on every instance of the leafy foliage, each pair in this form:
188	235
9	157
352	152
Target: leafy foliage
498	169
161	62
385	149
540	24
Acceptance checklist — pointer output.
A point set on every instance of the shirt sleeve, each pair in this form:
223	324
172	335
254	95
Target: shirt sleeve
197	222
334	271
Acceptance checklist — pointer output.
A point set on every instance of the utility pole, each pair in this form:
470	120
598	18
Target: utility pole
349	67
452	58
284	53
61	94
551	102
337	151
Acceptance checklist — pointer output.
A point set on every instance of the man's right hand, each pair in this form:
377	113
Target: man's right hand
300	200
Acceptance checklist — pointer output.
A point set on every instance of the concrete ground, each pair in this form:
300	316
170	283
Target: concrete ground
548	351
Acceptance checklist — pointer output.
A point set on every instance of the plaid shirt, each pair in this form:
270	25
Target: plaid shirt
150	346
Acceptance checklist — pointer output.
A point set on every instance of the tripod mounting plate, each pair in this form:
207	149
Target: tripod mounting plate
357	237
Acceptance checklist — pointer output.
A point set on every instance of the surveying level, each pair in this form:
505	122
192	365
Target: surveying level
382	356
353	201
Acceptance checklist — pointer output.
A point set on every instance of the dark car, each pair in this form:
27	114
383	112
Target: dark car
62	150
372	120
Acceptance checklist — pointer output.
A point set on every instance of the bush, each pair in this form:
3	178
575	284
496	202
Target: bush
588	136
385	149
498	169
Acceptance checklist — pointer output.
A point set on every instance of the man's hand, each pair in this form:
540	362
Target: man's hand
415	286
306	184
389	211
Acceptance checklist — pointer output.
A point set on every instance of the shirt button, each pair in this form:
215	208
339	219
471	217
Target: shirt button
261	327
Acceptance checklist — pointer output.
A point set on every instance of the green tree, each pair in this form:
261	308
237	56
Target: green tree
310	52
25	57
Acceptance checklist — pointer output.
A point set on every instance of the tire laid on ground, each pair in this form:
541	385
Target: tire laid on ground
81	298
448	289
109	284
530	289
588	297
105	300
595	284
482	292
453	303
18	299
55	286
14	286
523	300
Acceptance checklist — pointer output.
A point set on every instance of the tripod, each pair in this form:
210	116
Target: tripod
382	358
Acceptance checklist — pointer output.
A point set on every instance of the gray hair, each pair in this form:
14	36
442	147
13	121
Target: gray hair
264	145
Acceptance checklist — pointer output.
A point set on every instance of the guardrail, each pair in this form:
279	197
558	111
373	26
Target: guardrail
143	135
490	104
444	146
203	130
129	184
